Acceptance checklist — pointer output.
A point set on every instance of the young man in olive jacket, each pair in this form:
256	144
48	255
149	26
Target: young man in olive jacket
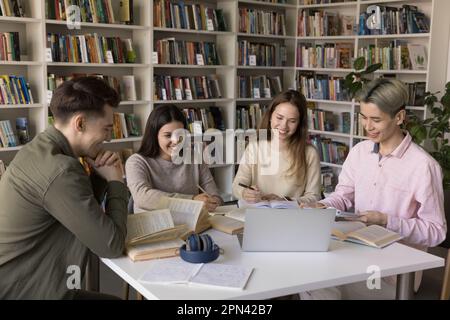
50	212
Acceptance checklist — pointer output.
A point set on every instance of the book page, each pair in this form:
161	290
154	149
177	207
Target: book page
226	224
244	204
222	275
173	270
185	211
146	223
237	214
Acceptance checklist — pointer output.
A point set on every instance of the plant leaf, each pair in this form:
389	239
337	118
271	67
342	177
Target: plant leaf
372	68
359	63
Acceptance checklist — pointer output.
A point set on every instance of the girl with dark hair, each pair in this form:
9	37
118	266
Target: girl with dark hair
298	166
151	174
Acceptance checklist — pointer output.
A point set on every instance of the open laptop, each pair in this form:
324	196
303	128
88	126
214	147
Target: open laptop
288	229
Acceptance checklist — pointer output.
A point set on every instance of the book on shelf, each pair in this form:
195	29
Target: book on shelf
7	136
128	88
191	213
357	232
273	204
87	48
93	11
177	271
416	93
259	21
418	56
124	125
12	8
126	12
9	46
152	235
15	90
180	15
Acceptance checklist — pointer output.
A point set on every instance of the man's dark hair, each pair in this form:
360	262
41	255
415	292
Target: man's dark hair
88	95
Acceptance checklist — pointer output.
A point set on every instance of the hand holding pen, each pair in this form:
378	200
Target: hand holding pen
210	201
251	193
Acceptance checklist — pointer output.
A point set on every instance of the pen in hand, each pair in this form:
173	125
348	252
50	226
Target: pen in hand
245	186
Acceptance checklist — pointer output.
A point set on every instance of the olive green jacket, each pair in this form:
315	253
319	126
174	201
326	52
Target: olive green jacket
50	217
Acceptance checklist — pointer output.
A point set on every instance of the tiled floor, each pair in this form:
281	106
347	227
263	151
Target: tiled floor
430	288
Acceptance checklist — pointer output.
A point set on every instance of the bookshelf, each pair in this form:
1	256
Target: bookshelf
145	33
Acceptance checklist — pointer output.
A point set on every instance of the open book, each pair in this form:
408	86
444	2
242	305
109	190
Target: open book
274	204
358	232
187	212
177	271
152	235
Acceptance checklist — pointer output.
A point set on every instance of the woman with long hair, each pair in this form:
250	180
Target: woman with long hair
296	163
151	173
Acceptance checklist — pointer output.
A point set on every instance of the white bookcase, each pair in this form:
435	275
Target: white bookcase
34	66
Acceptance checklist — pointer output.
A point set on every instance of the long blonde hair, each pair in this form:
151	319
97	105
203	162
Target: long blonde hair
297	142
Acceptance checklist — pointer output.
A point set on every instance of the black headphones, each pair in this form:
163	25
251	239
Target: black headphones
199	249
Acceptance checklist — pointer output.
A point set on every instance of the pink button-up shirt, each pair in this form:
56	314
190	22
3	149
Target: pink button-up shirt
406	185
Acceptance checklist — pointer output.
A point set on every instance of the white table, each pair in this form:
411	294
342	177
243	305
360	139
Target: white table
282	273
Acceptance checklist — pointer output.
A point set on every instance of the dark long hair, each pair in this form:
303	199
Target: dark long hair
297	142
160	116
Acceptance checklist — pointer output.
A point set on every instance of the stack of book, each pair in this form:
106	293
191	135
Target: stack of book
15	90
169	14
186	88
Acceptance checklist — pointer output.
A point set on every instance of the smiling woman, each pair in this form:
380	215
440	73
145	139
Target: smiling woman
151	173
298	174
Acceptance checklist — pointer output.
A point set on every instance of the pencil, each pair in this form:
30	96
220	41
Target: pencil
203	190
245	186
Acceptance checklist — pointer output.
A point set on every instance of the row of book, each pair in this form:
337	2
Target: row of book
199	120
97	11
396	55
259	86
324	120
125	85
249	117
261	54
171	14
186	88
256	21
12	8
320	23
416	93
321	86
15	90
10	138
327	179
171	51
326	55
329	151
358	125
88	48
392	20
9	46
125	125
